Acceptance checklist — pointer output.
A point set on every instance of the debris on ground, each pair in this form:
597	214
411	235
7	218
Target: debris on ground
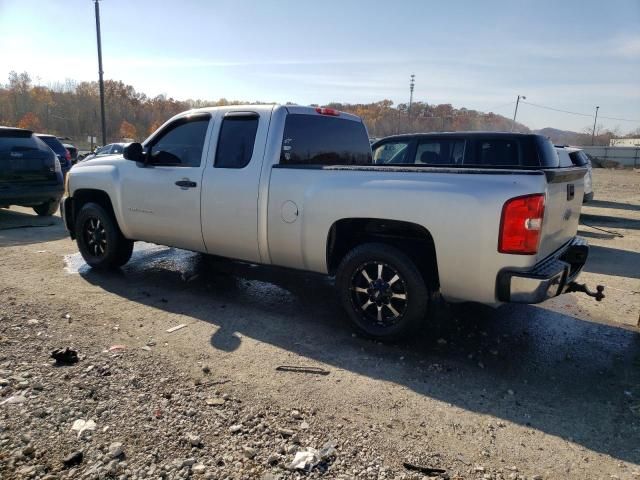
117	348
82	426
66	356
305	460
14	399
423	469
177	327
302	369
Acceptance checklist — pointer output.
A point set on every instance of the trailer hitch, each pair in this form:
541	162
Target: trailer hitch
582	287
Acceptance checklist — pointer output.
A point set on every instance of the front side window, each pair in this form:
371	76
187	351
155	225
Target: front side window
391	153
324	140
117	149
181	144
236	140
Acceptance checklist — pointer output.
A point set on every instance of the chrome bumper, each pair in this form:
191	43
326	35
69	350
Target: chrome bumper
545	280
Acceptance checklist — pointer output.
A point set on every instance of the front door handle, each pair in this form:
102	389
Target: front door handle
186	184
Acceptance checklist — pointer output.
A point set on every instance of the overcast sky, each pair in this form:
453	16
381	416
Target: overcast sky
568	55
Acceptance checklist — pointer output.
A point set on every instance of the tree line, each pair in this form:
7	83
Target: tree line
72	109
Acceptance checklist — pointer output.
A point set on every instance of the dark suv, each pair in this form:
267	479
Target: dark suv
30	172
56	145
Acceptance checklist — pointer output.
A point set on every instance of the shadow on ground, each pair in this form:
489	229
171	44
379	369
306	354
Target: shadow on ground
21	228
615	205
570	378
613	261
609	221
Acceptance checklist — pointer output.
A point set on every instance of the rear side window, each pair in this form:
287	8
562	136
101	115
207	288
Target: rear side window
579	158
440	152
236	141
498	152
322	140
54	144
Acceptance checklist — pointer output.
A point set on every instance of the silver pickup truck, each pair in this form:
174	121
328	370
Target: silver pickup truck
298	187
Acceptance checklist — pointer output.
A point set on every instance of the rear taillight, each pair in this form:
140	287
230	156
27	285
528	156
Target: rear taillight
328	111
520	225
67	154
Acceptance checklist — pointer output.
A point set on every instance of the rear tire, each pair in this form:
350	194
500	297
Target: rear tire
99	238
383	291
47	209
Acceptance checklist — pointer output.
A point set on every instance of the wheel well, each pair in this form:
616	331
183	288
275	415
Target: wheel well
84	196
411	238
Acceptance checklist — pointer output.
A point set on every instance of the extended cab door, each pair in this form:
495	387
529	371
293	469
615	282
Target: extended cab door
161	198
231	185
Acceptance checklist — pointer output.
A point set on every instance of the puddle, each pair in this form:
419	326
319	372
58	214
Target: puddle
144	253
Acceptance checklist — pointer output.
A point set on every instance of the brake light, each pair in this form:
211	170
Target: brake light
520	225
328	111
67	154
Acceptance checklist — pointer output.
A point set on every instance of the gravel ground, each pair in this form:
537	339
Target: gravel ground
523	392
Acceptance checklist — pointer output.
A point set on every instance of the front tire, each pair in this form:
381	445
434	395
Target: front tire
99	238
383	291
46	209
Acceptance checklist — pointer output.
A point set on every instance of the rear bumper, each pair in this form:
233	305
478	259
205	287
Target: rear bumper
30	195
546	279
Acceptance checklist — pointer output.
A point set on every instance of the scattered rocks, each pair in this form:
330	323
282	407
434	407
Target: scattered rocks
73	459
249	452
194	440
235	428
116	450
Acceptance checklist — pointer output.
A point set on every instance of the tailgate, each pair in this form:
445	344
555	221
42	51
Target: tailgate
20	166
565	189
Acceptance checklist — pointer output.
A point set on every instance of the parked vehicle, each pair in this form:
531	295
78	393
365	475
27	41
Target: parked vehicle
110	149
296	187
73	152
30	172
63	154
579	158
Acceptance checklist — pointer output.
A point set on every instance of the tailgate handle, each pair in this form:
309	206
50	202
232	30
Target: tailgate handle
571	191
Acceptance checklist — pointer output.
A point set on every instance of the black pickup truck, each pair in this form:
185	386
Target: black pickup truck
30	172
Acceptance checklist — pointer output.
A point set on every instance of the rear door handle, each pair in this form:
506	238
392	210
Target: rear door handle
186	184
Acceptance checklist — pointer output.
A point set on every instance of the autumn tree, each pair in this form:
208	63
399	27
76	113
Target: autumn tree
155	126
30	121
127	130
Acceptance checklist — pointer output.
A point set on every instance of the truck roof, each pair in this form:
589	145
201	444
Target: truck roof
292	109
467	134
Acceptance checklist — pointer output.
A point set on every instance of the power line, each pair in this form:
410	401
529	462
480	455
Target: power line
557	109
621	119
577	113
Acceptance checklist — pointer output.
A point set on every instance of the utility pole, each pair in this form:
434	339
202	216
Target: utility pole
412	82
593	134
100	72
513	125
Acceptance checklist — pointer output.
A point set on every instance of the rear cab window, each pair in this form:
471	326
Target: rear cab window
317	140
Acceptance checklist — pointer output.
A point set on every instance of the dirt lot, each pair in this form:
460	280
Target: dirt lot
550	391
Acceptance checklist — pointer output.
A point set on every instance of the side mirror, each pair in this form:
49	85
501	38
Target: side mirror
133	151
